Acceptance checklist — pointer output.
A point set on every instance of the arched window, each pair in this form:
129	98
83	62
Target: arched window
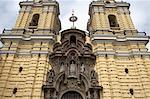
72	40
113	21
35	20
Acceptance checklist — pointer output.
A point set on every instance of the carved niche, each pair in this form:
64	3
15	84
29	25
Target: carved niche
72	74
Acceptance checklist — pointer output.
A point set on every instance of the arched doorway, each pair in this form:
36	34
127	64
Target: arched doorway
72	95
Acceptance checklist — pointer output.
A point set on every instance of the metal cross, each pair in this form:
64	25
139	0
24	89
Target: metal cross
73	19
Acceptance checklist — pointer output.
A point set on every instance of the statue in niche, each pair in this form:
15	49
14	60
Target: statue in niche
93	74
93	78
95	94
82	68
72	68
51	76
62	67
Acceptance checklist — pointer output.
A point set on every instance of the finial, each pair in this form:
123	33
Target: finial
73	19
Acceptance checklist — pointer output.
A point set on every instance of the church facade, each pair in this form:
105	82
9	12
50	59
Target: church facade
37	61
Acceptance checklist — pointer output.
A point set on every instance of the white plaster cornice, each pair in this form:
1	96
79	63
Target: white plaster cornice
98	37
24	52
120	53
27	38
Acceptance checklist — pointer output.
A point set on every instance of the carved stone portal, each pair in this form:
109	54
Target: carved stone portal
72	75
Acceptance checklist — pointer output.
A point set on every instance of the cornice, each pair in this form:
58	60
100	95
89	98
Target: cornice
31	3
24	52
107	5
28	37
22	34
119	38
97	53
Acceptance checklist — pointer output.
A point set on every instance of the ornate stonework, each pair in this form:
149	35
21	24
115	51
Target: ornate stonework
72	64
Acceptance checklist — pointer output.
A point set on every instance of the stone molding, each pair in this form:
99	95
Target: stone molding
23	52
131	53
98	37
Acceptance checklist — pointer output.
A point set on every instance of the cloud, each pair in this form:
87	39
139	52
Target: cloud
9	11
139	12
81	11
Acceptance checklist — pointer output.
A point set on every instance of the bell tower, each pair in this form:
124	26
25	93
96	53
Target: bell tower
121	53
109	15
39	14
26	47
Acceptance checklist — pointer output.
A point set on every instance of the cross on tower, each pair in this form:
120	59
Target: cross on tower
73	19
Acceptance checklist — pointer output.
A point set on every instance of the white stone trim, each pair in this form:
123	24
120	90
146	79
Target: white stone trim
120	53
121	38
39	37
24	52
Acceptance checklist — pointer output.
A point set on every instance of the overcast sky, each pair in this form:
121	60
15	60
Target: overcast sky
140	12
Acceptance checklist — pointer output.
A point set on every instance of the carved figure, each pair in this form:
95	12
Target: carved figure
72	68
93	74
94	82
62	67
82	68
95	94
51	76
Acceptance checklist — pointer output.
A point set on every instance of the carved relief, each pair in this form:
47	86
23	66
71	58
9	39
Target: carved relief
50	77
72	68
